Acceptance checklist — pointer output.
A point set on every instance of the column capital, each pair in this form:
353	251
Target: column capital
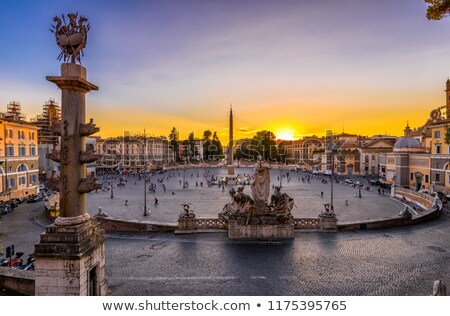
72	83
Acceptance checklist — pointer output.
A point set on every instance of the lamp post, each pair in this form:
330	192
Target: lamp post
145	194
111	183
332	180
184	177
280	179
145	177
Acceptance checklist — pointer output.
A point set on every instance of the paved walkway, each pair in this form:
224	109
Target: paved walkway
397	261
209	201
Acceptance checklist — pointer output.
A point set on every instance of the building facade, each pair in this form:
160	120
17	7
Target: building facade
421	158
18	159
133	153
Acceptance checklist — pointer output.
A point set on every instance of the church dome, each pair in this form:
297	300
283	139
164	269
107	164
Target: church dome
407	143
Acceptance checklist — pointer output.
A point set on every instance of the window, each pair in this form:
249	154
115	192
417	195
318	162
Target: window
10	151
426	178
22	180
33	178
10	133
437	134
438	149
22	151
32	151
11	182
412	176
373	158
438	177
22	168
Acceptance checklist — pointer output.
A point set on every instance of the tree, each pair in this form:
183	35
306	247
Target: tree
437	9
217	149
206	144
193	151
207	134
447	136
173	143
265	143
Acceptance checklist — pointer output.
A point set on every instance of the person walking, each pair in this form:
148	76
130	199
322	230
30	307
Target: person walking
156	201
126	202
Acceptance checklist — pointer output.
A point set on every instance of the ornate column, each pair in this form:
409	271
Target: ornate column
70	258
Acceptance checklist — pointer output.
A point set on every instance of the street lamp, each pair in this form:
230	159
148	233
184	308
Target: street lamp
145	195
145	175
184	177
111	183
332	178
280	179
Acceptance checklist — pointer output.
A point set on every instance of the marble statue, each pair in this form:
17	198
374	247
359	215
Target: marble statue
255	210
261	183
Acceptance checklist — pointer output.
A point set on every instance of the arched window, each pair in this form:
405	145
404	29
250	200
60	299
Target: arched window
22	168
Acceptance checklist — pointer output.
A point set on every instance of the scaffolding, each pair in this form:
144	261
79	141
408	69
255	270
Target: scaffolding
14	112
51	114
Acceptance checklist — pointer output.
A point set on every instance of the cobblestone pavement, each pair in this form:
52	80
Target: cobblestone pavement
209	201
402	261
397	261
22	228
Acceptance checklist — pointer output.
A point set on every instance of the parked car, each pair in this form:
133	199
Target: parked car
18	200
5	209
34	199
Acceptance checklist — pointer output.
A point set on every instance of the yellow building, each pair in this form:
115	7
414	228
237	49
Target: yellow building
18	159
421	159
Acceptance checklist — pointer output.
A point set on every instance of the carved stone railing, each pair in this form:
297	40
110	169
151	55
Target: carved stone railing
216	223
211	223
306	223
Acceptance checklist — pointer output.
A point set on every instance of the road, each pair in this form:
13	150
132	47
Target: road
402	261
398	261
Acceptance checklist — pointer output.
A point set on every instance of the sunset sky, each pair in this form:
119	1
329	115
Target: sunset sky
294	67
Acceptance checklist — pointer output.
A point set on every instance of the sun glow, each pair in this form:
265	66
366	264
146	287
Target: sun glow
285	134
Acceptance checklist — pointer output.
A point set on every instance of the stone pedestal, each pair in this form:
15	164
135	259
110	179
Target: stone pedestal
230	170
328	223
70	260
238	230
393	191
186	223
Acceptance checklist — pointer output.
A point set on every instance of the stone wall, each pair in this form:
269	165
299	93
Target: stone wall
120	225
17	280
423	200
388	223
